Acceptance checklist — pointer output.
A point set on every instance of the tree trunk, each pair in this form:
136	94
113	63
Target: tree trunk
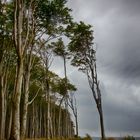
76	120
101	119
2	110
8	130
25	105
15	130
1	91
47	99
60	117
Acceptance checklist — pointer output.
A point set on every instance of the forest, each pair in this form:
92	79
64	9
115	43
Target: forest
35	102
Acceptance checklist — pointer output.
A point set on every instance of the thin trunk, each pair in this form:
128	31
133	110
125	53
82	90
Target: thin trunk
53	121
25	103
8	130
94	85
77	129
33	125
101	119
48	100
59	122
60	117
48	116
40	112
66	96
66	119
1	90
99	105
50	120
2	110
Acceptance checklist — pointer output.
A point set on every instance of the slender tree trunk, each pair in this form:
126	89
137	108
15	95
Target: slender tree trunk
99	105
53	120
8	130
60	117
47	99
101	119
25	104
77	129
59	122
2	110
66	118
94	85
2	114
48	116
40	120
66	97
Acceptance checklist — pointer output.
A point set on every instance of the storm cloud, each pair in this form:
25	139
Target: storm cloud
117	38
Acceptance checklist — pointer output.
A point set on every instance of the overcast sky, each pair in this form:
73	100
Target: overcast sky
116	25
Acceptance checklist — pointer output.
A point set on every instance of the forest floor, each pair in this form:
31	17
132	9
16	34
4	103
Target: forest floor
53	139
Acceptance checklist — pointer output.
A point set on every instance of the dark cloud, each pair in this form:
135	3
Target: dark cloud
117	35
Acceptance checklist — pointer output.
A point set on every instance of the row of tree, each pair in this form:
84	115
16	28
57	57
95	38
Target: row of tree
35	102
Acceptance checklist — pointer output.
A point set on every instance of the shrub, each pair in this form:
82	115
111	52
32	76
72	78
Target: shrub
129	138
87	137
110	138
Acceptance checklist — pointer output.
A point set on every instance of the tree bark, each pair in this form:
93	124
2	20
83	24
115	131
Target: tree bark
15	130
19	46
101	119
25	105
2	117
2	110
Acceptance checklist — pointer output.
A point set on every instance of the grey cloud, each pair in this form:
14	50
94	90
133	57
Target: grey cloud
117	35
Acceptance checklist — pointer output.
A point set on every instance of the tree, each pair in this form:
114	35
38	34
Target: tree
32	19
84	57
44	18
60	50
6	56
27	27
73	106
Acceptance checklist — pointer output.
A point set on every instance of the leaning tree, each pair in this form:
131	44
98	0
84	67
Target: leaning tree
84	57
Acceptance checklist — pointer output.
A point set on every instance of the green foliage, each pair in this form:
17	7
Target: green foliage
6	19
81	38
52	15
59	48
59	86
81	46
42	20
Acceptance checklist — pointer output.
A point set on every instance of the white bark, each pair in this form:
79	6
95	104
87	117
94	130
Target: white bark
15	130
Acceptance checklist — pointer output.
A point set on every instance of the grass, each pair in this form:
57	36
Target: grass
87	137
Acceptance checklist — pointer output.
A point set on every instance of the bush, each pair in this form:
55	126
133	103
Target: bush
87	137
110	138
129	138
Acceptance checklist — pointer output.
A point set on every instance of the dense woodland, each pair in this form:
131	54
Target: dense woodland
34	101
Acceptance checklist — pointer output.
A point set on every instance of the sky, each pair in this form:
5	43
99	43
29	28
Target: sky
116	25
